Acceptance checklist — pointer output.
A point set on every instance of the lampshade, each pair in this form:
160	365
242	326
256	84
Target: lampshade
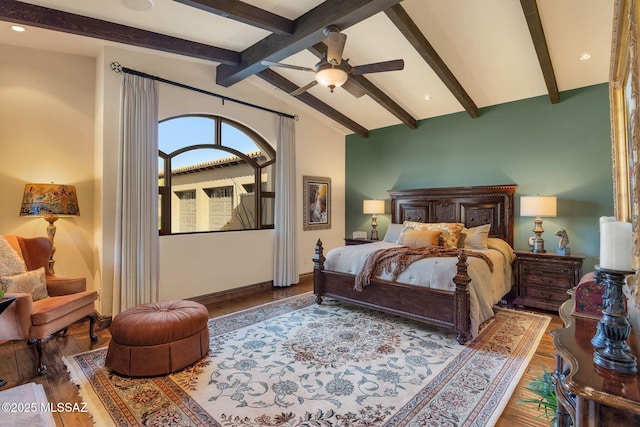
538	206
373	207
49	199
331	77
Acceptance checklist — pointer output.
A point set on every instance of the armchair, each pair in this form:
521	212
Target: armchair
36	321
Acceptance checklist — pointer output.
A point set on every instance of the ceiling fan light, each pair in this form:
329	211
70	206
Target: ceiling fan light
331	77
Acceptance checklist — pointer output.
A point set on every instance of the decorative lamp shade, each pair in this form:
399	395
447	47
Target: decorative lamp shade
49	199
538	206
373	207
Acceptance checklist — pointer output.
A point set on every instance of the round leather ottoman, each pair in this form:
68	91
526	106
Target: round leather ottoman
158	338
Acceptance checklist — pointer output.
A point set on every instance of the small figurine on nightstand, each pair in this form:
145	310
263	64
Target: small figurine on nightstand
563	242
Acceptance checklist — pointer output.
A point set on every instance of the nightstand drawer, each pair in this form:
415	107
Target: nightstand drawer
560	280
546	270
548	295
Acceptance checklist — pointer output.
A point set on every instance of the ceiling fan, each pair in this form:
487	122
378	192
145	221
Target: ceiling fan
332	71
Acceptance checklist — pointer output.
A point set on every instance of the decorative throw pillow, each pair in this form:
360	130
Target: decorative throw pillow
476	237
416	238
409	225
32	282
10	262
393	232
450	231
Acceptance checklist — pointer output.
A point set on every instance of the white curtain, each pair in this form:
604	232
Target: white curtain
285	271
136	246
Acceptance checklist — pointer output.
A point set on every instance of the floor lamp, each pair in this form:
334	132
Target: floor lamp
50	201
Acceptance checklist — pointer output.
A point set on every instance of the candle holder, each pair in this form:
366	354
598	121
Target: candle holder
613	329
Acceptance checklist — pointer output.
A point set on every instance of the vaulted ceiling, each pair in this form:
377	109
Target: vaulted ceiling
459	55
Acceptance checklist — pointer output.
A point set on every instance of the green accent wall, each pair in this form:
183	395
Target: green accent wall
559	149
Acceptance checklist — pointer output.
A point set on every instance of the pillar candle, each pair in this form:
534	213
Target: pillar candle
615	245
604	219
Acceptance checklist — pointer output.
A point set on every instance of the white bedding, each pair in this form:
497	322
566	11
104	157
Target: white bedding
486	287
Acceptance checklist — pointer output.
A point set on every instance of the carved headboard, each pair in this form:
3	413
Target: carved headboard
472	206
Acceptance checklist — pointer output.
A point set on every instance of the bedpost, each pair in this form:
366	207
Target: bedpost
461	300
318	265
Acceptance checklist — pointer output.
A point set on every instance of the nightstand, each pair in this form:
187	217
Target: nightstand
349	241
542	279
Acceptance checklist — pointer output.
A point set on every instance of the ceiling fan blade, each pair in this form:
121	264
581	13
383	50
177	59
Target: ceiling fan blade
378	67
353	88
335	46
293	67
304	88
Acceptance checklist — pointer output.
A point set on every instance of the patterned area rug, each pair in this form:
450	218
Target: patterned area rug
294	363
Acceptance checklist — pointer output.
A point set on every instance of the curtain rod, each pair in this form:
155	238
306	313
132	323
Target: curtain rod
115	66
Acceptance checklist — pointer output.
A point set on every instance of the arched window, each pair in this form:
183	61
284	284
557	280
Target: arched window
214	174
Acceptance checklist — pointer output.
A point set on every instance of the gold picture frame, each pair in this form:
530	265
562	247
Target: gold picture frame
316	199
624	90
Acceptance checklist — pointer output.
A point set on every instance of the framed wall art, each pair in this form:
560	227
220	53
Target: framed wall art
624	98
316	203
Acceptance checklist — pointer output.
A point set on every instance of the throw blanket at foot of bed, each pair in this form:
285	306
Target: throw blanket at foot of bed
395	260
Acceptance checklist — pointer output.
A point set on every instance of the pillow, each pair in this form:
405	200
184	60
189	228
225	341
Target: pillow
10	262
450	231
393	232
422	238
32	282
476	237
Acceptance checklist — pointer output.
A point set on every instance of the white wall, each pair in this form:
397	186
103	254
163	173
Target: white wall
46	134
199	264
59	120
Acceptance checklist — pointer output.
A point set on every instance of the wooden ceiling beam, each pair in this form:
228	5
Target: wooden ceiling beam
245	13
366	86
288	86
412	33
308	31
532	15
56	20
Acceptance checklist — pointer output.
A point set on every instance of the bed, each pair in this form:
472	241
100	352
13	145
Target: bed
453	304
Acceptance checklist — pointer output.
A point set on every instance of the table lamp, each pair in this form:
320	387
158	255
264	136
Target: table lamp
50	201
373	207
538	206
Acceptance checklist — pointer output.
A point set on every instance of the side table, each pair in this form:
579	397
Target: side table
587	394
542	279
4	303
348	241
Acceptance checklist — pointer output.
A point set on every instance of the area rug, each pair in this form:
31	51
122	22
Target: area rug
296	363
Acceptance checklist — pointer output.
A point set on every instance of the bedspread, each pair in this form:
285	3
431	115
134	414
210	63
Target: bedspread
396	260
486	288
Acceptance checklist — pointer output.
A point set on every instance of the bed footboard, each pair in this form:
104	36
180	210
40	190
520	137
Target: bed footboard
318	266
441	308
462	300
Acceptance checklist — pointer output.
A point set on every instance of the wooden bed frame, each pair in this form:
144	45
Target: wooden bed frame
471	206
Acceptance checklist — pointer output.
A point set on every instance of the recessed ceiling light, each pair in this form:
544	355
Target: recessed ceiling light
585	56
18	28
138	4
427	98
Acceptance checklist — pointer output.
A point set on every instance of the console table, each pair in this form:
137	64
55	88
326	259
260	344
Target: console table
588	394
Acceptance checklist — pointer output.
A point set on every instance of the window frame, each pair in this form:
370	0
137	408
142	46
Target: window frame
165	192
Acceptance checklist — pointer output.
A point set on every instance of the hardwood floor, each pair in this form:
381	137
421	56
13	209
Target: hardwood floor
18	362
